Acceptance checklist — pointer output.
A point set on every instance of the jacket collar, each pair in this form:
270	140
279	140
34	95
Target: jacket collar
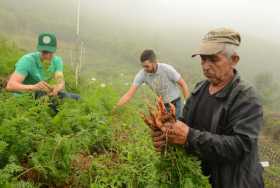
224	93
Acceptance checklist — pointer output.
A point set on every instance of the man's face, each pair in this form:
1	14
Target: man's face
149	66
46	56
216	68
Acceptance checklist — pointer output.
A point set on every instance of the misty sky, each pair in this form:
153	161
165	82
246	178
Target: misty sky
254	17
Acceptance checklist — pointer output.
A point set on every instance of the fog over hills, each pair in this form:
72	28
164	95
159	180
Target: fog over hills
115	32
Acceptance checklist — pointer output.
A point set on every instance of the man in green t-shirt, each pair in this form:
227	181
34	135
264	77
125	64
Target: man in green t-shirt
41	71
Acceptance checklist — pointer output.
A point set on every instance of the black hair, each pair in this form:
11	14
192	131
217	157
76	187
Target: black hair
148	55
45	52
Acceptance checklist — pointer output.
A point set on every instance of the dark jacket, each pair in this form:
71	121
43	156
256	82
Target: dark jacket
229	151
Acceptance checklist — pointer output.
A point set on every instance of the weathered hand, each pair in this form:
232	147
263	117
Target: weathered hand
159	140
177	132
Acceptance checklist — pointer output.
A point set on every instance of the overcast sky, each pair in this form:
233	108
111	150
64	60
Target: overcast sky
259	17
255	17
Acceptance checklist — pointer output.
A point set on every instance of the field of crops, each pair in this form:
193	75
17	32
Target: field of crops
85	144
269	149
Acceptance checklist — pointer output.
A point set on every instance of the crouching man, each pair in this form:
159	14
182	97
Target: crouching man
35	71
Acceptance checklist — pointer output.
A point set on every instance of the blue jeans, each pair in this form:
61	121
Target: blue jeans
178	105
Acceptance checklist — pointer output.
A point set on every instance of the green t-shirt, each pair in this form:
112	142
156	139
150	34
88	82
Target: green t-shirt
31	67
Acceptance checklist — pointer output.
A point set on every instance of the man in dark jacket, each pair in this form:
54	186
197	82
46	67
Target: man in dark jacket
222	118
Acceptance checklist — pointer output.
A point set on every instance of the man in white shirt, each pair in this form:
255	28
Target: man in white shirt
162	78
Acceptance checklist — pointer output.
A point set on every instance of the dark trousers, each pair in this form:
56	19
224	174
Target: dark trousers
62	95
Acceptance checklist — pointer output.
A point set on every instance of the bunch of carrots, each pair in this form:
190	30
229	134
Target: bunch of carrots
159	118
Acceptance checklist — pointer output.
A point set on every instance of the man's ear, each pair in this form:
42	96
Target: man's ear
235	59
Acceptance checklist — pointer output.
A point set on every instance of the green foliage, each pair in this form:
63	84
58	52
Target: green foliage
8	172
177	170
85	144
33	140
19	184
8	56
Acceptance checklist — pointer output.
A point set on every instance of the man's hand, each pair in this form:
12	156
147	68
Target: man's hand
115	109
42	86
177	133
126	97
60	84
15	83
159	140
54	92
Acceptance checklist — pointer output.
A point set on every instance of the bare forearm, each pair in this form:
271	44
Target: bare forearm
60	86
124	100
14	86
185	90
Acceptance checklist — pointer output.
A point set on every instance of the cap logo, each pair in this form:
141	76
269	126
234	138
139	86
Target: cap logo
46	39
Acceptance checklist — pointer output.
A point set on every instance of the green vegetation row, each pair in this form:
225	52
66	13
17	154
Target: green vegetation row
85	144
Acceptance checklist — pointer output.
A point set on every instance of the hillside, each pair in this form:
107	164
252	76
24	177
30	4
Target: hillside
84	145
114	41
88	145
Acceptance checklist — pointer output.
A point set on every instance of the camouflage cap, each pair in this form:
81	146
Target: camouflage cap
215	40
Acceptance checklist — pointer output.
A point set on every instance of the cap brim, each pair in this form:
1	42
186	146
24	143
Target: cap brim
209	48
46	48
